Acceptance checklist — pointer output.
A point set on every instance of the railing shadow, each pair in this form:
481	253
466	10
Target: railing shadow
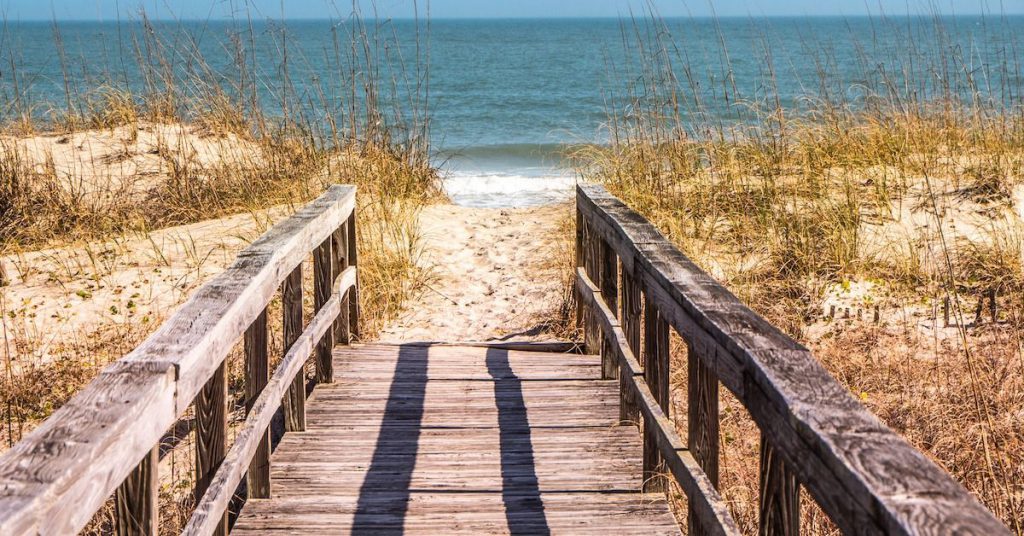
386	490
384	495
520	490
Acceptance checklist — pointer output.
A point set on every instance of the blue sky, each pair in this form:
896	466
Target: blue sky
203	9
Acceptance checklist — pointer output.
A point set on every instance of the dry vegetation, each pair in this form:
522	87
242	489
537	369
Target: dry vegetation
905	204
117	205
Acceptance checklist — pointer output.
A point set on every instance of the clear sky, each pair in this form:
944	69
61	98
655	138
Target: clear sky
203	9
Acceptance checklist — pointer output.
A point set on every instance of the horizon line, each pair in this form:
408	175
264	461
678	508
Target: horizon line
533	17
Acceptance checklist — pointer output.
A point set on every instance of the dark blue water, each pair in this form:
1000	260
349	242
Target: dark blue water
506	96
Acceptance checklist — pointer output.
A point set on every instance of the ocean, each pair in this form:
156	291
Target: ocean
508	98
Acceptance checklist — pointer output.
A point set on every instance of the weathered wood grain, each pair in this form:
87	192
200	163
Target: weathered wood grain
324	264
656	376
58	476
711	513
211	428
609	277
213	503
864	476
291	308
136	504
257	374
198	337
702	424
406	453
632	318
779	504
342	328
353	260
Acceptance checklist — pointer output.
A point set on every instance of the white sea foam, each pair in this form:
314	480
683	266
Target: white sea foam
496	190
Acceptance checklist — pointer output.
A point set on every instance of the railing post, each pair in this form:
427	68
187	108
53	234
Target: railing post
343	332
702	423
656	374
136	507
580	263
323	281
211	407
779	495
291	307
632	309
609	277
257	374
591	265
353	260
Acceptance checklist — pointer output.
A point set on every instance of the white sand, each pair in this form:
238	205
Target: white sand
496	274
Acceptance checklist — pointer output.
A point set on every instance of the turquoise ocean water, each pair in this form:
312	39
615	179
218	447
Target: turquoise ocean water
507	96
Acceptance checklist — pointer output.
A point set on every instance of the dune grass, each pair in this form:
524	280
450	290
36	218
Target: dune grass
194	144
910	191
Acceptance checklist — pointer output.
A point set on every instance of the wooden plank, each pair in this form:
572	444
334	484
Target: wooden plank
872	479
546	347
53	481
323	275
211	425
198	337
453	456
343	329
79	457
609	277
291	308
353	260
257	374
632	316
711	513
656	376
580	263
136	503
212	504
779	505
702	424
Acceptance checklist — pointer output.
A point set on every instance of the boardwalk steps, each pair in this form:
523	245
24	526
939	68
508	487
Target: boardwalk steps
460	440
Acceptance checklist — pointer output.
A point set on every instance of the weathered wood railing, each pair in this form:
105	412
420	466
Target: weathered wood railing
814	433
105	440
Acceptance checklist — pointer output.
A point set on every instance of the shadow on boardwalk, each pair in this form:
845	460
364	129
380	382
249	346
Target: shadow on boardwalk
386	490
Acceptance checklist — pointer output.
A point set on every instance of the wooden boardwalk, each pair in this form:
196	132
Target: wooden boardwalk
470	440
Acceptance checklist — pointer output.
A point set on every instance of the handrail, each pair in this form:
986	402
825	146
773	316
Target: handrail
715	518
214	503
107	436
814	433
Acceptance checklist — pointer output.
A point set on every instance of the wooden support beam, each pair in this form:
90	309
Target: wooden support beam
257	373
779	505
211	425
609	268
353	260
656	374
136	504
342	329
632	316
580	263
702	423
323	279
291	307
212	505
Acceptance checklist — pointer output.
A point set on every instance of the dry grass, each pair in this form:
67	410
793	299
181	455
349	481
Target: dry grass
902	202
193	148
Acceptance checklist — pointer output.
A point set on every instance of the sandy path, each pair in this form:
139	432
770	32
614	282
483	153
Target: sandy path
495	274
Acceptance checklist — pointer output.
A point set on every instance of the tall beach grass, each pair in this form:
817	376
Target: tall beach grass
902	177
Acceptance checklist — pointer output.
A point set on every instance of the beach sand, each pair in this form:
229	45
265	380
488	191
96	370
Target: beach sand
495	274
